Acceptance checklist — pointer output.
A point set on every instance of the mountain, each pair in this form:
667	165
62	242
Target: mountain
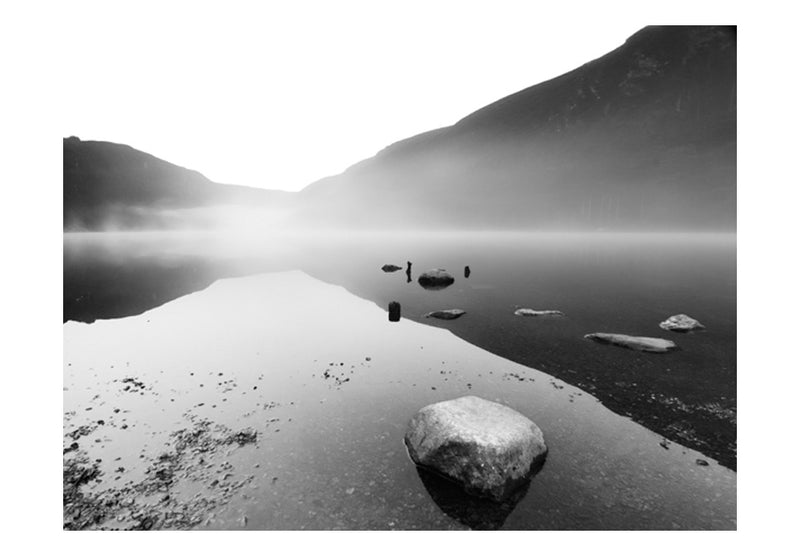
641	138
107	185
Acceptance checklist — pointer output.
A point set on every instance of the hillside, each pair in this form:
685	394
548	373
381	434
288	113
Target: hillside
112	186
643	137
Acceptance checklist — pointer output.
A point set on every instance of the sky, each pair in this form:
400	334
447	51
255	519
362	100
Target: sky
278	95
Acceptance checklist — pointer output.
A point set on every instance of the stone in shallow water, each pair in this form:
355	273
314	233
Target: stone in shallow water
390	268
533	313
394	311
638	343
446	314
681	323
489	449
435	279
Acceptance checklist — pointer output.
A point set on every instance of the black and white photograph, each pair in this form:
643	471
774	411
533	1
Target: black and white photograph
372	266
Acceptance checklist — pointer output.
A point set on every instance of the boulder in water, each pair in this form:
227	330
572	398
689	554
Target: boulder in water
533	313
435	279
489	449
446	314
390	268
681	323
638	343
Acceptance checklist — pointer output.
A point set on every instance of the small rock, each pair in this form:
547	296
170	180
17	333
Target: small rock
681	323
435	279
390	268
394	311
534	313
637	343
701	462
446	314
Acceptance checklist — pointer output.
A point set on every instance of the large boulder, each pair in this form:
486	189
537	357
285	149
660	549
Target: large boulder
489	449
435	279
533	313
445	314
681	323
638	343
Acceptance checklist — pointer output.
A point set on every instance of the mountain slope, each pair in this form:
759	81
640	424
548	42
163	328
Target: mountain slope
110	185
643	137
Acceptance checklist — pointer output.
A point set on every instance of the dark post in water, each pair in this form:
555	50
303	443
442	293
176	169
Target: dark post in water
394	311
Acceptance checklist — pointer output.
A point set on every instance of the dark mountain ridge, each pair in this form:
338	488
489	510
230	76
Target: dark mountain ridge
111	184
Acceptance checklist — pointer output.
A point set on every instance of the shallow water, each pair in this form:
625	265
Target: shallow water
329	450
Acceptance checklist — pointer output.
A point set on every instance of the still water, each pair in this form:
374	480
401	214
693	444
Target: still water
289	338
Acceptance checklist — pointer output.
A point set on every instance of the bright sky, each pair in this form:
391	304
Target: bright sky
278	95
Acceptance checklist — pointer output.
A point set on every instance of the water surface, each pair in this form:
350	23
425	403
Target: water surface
329	383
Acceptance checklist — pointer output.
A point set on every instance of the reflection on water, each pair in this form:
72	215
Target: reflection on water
475	513
329	384
330	407
603	283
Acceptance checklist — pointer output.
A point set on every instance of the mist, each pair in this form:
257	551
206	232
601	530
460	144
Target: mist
643	138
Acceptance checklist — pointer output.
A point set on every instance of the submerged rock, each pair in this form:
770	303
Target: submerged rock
435	279
446	314
475	512
390	268
487	448
533	313
638	343
681	323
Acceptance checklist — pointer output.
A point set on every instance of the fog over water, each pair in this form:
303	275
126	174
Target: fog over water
624	283
238	357
289	335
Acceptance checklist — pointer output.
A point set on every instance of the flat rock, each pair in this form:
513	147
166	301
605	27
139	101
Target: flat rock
681	323
488	449
436	278
533	313
638	343
446	314
390	268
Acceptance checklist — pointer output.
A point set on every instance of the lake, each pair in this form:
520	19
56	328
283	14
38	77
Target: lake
230	382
